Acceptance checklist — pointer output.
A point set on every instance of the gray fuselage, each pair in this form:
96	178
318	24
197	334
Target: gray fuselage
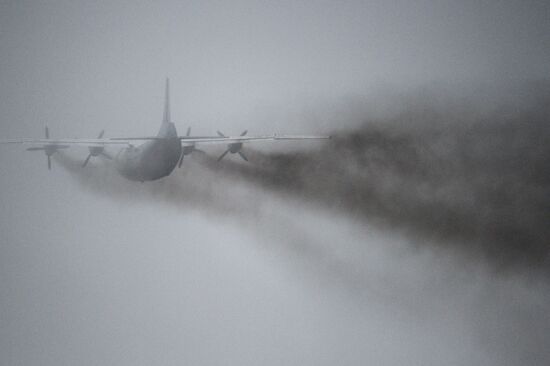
152	160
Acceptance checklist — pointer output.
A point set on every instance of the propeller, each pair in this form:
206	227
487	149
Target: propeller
96	151
49	149
233	148
188	149
223	155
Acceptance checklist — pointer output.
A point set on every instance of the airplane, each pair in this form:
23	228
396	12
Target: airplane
157	156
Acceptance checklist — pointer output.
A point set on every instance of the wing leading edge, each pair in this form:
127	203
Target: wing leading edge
184	139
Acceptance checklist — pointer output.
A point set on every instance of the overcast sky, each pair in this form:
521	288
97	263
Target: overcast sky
96	270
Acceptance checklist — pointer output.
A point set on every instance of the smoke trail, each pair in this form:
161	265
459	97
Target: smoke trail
456	175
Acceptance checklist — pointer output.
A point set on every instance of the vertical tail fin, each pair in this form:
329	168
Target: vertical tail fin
166	117
167	128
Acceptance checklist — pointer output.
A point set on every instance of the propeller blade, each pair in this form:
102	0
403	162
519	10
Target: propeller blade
36	149
221	134
222	155
87	160
104	154
181	159
49	163
243	156
101	134
188	131
47	132
244	133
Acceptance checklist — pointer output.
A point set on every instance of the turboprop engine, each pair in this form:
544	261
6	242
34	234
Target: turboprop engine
233	148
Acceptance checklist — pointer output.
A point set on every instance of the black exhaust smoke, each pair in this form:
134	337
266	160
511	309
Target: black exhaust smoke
479	181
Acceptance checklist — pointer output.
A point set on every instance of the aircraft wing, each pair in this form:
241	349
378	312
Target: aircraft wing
81	142
245	139
97	146
132	140
51	143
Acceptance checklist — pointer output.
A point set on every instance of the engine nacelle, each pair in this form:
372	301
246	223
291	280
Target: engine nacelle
235	147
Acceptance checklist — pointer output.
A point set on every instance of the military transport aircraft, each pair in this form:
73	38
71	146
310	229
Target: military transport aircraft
158	155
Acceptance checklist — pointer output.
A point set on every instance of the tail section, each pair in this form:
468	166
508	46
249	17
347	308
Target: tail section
167	128
167	117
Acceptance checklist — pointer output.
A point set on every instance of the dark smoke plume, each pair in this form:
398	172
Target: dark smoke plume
478	178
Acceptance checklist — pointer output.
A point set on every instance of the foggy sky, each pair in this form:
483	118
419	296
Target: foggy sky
206	267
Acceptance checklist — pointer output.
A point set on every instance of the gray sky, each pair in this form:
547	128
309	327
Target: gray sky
96	271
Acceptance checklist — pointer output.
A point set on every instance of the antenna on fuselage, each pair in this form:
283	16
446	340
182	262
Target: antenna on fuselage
166	117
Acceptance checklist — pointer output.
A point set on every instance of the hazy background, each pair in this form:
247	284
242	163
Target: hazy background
258	264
